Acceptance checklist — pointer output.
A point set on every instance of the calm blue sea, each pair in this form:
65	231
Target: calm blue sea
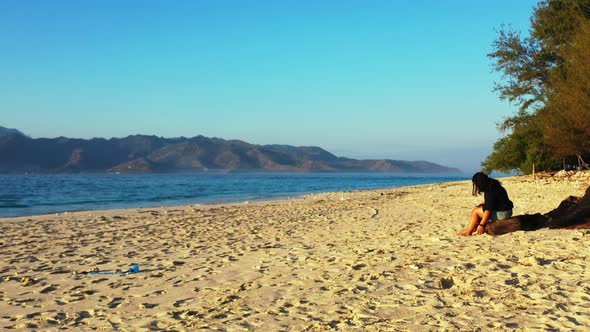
31	194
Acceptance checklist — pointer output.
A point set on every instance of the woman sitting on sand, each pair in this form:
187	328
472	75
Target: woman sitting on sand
496	205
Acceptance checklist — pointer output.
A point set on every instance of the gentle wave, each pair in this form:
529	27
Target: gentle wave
12	206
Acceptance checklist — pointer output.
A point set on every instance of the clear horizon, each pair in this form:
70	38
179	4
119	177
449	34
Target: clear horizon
404	80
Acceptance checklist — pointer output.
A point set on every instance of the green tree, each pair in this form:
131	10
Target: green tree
529	66
522	147
566	116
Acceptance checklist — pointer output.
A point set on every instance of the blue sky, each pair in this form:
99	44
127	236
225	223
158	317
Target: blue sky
397	79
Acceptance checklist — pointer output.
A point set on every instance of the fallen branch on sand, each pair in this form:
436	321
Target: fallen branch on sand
572	213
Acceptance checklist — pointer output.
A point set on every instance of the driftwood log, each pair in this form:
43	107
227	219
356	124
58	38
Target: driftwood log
572	212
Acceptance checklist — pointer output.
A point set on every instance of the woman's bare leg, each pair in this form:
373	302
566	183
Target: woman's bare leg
474	219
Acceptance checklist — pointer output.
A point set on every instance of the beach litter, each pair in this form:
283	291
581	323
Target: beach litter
133	269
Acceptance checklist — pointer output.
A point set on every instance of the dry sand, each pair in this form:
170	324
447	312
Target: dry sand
369	261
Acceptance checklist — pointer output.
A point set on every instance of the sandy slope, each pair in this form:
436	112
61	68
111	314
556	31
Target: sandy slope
368	260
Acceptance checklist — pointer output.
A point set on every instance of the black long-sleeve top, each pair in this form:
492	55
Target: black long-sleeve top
496	198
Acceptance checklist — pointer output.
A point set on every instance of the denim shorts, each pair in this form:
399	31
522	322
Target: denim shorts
500	215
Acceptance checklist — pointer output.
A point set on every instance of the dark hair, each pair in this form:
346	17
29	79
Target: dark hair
481	182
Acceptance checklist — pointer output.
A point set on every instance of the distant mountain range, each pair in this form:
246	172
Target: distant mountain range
151	154
8	131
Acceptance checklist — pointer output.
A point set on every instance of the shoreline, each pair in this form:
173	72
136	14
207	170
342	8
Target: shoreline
370	259
197	200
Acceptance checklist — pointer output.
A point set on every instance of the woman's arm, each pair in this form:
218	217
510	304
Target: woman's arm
481	228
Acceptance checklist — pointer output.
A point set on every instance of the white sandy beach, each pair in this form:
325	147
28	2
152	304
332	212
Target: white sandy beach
379	260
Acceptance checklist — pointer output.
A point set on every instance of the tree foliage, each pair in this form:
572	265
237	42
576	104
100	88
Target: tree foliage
537	74
566	117
521	148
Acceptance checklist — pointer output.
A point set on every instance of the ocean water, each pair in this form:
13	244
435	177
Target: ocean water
32	194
